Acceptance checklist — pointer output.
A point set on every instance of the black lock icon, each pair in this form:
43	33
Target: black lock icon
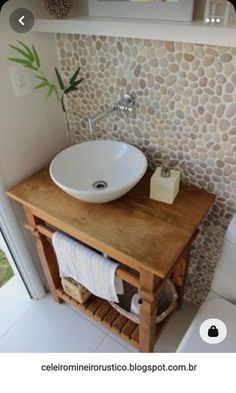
213	331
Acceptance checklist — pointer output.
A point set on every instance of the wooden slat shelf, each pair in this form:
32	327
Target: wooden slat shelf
106	315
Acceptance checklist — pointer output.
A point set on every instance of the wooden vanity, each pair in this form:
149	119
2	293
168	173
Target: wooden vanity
151	240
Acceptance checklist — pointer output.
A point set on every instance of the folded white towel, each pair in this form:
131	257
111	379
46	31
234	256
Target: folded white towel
87	267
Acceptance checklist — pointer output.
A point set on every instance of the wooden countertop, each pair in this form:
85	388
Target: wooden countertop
137	231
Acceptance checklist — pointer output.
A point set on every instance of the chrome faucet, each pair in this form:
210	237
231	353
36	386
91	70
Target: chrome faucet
125	104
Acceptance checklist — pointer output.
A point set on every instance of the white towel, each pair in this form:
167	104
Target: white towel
87	267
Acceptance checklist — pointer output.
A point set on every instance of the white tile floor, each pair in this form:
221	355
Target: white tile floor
17	301
45	326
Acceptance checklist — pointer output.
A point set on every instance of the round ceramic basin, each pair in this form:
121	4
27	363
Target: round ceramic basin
98	171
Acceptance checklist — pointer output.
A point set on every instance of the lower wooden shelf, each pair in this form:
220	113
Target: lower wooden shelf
101	311
106	315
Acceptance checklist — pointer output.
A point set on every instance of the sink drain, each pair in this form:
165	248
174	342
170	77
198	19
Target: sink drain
100	185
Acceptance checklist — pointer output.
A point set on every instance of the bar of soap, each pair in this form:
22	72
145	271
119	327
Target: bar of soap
164	189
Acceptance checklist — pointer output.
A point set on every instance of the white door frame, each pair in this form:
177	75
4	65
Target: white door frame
15	240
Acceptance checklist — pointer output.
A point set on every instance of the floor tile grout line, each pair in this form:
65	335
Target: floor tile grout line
96	349
117	342
116	339
14	323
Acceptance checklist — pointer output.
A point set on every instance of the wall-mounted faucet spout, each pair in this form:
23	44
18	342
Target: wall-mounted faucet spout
125	104
99	116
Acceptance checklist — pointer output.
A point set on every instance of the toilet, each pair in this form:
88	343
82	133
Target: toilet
220	302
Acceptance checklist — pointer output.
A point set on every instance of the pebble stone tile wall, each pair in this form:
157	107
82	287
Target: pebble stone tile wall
186	110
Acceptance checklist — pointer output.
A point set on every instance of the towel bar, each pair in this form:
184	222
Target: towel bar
122	273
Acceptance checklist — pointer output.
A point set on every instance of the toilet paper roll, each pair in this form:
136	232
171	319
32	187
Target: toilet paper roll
135	304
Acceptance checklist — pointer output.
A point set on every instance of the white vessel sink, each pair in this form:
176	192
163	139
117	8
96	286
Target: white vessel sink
98	171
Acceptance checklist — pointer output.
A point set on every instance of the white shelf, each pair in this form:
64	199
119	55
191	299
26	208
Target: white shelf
140	28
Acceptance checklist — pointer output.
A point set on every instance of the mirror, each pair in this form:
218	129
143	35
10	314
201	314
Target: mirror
172	10
146	1
219	12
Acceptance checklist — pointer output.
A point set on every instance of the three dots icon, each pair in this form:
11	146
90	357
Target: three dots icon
213	20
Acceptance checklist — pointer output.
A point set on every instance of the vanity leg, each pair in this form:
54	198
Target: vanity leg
179	275
46	255
147	327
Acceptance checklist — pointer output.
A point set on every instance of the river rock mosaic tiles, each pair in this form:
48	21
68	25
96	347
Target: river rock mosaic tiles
186	109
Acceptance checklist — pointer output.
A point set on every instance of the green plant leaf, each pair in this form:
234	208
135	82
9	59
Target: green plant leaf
27	49
20	61
63	104
36	57
23	53
56	92
59	78
74	77
30	59
77	83
70	88
41	85
41	78
30	66
50	90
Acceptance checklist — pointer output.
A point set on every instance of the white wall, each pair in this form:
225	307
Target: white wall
32	130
